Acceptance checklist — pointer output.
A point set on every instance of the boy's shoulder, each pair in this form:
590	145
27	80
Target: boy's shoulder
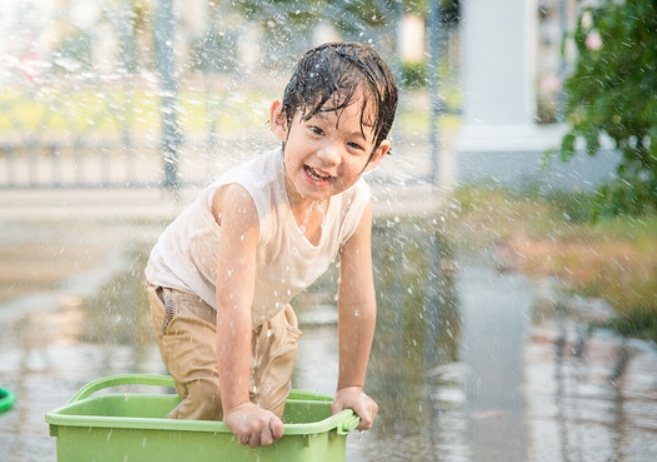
354	200
360	188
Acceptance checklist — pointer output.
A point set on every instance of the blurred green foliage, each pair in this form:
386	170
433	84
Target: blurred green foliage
613	92
414	75
346	16
548	235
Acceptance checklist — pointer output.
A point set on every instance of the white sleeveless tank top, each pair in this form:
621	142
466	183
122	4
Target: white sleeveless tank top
185	256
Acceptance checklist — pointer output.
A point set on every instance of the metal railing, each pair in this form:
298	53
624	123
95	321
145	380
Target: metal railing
107	65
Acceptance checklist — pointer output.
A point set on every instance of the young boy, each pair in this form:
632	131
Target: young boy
222	275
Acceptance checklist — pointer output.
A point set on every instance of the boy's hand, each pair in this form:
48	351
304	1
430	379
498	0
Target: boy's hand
253	425
354	398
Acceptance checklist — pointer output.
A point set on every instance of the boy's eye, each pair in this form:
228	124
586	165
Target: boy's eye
355	146
316	130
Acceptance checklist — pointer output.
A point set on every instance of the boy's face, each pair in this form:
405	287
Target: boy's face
327	153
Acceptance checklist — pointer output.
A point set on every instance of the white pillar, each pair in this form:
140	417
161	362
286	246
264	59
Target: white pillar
499	41
498	137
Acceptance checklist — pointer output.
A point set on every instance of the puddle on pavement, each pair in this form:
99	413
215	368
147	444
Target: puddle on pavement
461	367
414	372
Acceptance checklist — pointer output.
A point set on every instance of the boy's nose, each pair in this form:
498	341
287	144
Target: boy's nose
330	153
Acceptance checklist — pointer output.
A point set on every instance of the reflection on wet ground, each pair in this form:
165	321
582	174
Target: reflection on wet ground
594	395
467	365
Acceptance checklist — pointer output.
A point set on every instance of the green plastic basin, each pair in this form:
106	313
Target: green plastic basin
111	427
7	400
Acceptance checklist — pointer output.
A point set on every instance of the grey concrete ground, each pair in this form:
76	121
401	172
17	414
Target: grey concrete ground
530	383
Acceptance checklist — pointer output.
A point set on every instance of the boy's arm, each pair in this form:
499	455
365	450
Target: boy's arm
356	322
235	290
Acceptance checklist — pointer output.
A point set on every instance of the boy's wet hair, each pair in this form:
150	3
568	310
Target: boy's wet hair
333	73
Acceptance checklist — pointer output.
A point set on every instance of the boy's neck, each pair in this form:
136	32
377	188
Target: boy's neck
302	206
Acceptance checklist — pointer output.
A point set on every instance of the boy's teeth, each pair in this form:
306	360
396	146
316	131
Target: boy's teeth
316	175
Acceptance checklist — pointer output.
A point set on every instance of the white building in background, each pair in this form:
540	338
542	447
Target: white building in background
34	29
499	71
503	69
26	36
411	43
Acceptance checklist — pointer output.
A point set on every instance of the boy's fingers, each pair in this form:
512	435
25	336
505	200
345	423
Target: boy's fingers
335	408
276	426
364	406
265	437
254	426
269	433
367	412
366	420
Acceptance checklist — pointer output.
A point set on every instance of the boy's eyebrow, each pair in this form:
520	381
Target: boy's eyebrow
361	133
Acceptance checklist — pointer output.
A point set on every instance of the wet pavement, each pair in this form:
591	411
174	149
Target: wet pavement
469	364
593	395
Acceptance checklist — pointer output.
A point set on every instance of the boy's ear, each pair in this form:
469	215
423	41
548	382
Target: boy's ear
379	153
278	120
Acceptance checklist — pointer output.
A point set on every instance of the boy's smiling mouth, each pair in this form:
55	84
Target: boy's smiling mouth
316	175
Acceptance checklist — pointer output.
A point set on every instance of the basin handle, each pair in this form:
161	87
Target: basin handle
350	423
125	379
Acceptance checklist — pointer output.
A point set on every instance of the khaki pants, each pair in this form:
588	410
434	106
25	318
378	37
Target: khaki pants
186	333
